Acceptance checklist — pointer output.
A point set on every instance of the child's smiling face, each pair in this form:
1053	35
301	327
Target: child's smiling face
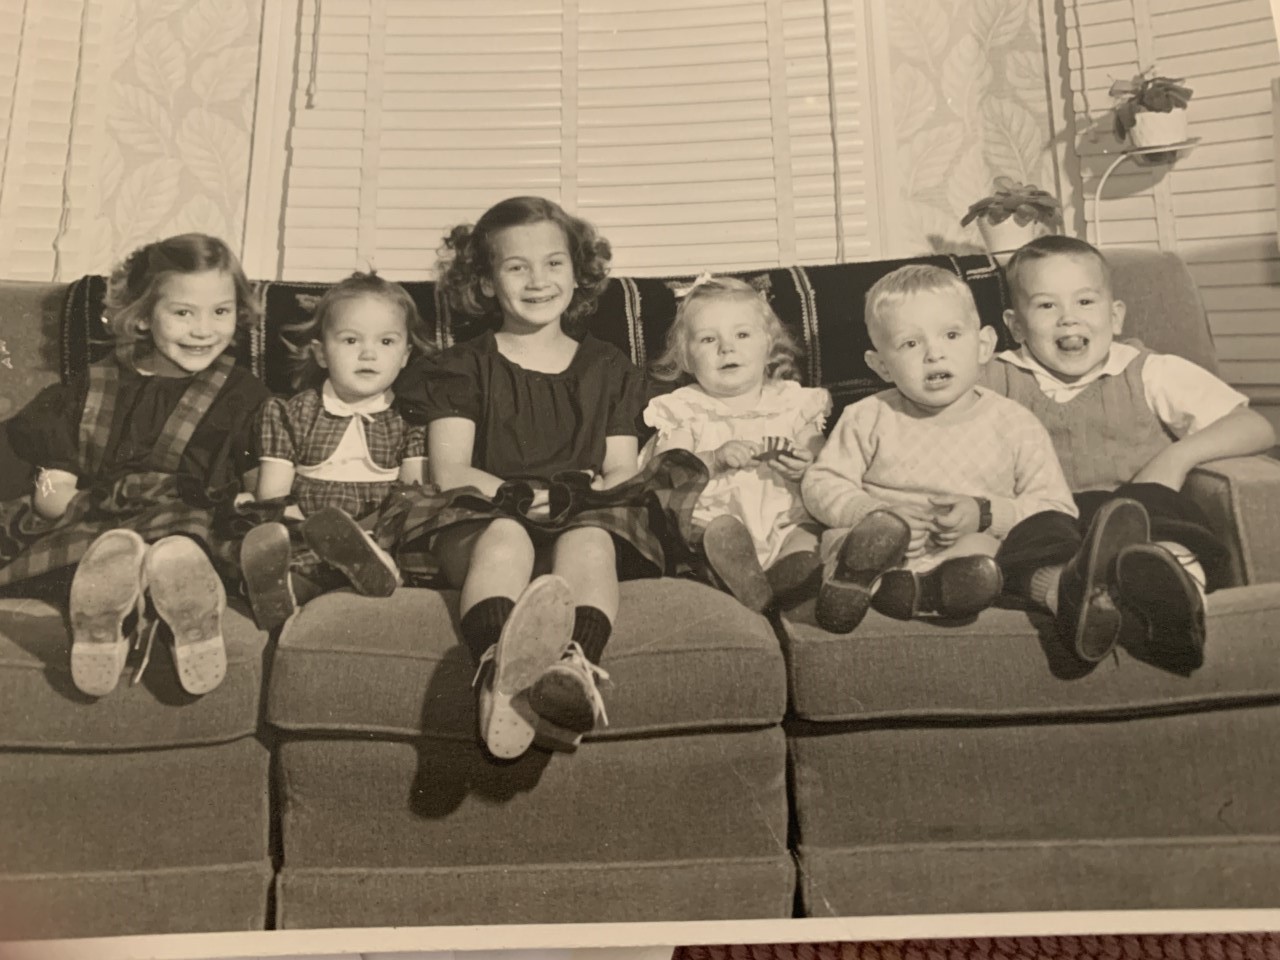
192	323
931	346
727	347
1065	314
533	278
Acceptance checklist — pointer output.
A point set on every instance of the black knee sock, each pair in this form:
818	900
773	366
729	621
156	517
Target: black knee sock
482	624
591	629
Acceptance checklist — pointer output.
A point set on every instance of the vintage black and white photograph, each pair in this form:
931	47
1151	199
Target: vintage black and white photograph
468	464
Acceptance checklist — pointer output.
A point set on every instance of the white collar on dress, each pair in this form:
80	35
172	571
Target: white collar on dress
365	409
1119	357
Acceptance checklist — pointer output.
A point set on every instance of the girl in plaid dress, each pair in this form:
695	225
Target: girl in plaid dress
755	427
335	454
135	458
532	437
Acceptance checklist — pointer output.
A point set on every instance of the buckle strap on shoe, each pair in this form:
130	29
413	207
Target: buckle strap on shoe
576	656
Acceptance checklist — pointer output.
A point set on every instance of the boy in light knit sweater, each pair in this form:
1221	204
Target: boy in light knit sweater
1128	424
928	484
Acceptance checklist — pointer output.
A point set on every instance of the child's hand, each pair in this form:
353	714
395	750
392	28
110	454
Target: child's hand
540	508
735	455
956	516
792	464
294	512
922	528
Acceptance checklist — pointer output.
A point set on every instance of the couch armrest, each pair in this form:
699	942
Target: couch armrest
1241	496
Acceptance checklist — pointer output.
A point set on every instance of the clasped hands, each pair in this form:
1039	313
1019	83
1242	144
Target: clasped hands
953	516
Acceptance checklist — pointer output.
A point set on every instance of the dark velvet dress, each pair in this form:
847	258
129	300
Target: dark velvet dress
546	431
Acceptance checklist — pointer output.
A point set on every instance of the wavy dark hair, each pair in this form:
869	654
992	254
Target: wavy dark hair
305	370
783	353
135	285
466	259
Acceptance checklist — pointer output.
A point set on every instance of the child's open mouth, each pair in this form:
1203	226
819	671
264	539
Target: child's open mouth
937	379
1073	344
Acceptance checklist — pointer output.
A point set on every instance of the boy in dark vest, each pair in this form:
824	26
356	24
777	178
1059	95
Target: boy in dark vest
1128	424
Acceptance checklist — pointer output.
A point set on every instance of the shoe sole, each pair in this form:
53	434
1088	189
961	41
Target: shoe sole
1152	582
534	637
106	587
559	698
878	543
795	578
188	595
731	554
955	589
1120	523
341	542
264	563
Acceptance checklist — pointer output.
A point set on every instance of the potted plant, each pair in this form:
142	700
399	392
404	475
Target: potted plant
1013	214
1150	111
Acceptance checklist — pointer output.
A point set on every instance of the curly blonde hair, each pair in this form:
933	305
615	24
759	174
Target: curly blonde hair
137	283
305	370
674	364
466	260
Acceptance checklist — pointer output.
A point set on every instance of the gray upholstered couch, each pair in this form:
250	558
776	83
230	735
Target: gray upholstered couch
335	780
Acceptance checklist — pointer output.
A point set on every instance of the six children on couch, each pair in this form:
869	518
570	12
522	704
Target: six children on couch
509	466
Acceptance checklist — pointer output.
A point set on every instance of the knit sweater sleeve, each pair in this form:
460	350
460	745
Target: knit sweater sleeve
1039	483
832	488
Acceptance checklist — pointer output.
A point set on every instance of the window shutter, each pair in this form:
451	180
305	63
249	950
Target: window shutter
51	57
693	134
1216	207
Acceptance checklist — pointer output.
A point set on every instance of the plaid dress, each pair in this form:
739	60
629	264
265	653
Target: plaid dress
302	431
155	502
541	431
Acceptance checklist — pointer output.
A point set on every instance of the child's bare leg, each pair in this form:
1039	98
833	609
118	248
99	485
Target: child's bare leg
486	559
587	559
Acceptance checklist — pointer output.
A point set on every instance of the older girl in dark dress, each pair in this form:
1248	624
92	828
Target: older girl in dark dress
532	437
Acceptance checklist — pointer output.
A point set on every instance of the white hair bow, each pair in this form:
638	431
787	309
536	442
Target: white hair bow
683	291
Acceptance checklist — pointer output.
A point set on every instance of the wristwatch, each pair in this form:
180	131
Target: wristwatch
984	513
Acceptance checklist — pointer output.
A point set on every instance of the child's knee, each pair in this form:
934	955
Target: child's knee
591	544
506	540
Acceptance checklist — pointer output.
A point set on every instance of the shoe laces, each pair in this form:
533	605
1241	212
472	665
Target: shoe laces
577	658
486	658
148	627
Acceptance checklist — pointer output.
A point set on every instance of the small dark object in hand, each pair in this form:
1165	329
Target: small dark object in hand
774	448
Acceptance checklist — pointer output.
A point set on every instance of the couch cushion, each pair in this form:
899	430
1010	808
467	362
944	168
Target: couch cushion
683	656
143	810
41	709
1009	664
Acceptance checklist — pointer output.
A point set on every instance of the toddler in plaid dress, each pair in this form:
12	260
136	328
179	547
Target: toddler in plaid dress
532	438
756	429
336	454
136	458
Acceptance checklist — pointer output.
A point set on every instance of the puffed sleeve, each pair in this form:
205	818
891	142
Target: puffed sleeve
45	433
274	436
415	442
446	385
668	413
627	399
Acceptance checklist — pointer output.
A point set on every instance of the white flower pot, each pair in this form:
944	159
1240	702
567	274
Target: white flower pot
1159	129
1007	235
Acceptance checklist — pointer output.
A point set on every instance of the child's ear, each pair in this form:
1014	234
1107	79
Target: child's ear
317	351
1117	317
986	343
877	365
1014	325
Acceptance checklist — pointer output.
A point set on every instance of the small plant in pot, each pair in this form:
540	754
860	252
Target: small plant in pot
1014	214
1151	111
